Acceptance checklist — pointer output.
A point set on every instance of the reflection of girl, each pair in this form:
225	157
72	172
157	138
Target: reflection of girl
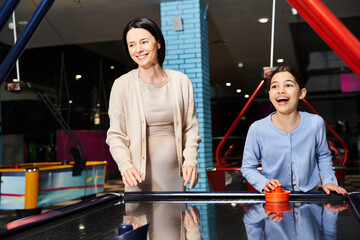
153	134
305	221
291	145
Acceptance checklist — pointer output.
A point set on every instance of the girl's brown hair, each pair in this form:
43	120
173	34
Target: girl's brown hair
289	69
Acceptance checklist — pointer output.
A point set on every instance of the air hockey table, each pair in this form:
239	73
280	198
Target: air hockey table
27	187
197	215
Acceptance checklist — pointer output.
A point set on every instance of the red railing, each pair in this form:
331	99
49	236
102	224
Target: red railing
219	158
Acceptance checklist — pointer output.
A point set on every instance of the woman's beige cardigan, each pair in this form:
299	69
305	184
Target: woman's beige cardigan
126	135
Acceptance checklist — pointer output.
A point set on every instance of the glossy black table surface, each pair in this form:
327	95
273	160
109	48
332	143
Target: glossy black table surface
197	215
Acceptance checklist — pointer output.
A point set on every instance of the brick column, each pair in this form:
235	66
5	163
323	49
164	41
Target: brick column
188	51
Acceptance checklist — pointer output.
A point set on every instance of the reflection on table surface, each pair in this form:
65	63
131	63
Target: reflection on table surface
167	221
300	221
213	218
290	220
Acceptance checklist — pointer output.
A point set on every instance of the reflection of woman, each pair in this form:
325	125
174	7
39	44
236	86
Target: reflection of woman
305	221
167	221
153	134
192	223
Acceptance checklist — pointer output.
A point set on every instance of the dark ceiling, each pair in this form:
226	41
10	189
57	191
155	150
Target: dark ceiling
235	36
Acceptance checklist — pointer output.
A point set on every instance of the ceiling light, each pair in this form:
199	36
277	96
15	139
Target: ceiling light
246	96
294	11
240	65
228	84
280	60
263	20
22	22
112	67
78	76
238	90
70	101
11	24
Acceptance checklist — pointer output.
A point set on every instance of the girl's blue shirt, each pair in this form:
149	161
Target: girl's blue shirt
305	148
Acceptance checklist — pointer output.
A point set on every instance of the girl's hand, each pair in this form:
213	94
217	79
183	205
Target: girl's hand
332	187
336	207
271	185
275	217
131	177
190	172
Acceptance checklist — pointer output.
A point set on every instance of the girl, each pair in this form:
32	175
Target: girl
291	145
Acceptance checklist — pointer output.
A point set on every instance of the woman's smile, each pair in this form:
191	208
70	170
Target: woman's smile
143	47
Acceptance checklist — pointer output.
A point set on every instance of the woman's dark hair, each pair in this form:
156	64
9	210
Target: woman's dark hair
151	27
289	69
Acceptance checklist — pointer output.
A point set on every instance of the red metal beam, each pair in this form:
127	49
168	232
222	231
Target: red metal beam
331	30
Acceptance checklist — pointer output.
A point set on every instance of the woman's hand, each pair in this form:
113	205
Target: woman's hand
131	177
190	172
193	219
271	185
134	224
332	187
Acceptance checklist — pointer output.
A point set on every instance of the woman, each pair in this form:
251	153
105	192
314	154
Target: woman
291	145
153	133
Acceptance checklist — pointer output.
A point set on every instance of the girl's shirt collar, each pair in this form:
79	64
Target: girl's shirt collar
292	132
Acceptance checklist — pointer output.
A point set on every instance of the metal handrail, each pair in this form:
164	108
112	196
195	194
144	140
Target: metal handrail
41	92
